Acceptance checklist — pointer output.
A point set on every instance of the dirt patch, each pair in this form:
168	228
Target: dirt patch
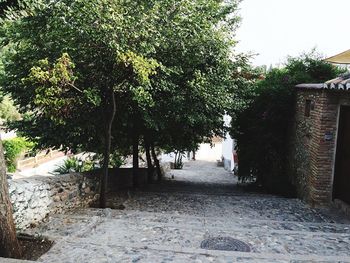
34	247
115	200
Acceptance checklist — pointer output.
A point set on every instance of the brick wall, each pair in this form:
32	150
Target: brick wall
312	155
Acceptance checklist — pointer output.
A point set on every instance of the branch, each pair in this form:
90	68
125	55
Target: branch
73	86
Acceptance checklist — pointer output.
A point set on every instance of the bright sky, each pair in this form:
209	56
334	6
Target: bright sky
277	28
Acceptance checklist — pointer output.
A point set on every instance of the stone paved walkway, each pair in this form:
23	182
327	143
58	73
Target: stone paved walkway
167	223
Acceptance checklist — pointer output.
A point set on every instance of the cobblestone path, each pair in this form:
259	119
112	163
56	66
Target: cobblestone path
167	223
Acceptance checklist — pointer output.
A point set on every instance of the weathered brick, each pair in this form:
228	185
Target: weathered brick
312	156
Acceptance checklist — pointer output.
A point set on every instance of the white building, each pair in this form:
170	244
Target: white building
6	135
228	148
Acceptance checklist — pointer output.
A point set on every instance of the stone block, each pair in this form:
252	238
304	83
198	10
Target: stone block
34	199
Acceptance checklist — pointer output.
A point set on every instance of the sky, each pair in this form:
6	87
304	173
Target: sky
274	29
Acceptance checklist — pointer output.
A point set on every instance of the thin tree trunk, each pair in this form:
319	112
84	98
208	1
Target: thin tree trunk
111	109
175	160
149	161
135	157
156	162
9	246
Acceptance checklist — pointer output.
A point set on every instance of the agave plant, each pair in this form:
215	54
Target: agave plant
178	164
70	165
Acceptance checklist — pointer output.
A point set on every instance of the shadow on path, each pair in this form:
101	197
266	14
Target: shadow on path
197	177
167	222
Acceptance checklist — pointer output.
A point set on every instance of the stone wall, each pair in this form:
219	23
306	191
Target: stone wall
313	144
36	197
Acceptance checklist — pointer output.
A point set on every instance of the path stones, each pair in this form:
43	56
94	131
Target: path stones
168	222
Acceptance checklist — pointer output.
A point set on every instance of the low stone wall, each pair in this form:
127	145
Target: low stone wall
35	198
165	167
122	178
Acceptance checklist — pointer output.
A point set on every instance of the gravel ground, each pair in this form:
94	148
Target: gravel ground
167	222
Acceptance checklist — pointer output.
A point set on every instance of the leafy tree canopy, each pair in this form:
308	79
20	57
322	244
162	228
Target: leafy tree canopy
166	62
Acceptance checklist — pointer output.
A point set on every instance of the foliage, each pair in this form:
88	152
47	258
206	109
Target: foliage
13	148
167	64
88	163
5	4
116	160
67	98
156	71
8	112
262	126
70	165
75	165
195	93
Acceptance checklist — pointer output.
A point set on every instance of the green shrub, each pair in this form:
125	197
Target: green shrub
13	148
262	127
116	160
70	165
92	162
75	165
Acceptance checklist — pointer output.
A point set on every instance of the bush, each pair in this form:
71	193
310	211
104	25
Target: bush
92	162
116	160
75	165
262	127
70	165
13	148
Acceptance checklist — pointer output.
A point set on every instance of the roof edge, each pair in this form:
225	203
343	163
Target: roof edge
311	86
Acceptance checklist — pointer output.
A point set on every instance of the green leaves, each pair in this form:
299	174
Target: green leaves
13	149
53	87
167	62
262	126
143	68
92	96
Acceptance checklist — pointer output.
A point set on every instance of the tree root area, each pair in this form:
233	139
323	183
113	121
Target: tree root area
34	247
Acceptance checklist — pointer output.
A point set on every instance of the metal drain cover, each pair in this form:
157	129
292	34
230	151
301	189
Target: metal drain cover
225	243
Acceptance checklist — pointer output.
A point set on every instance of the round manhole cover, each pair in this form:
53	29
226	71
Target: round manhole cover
225	243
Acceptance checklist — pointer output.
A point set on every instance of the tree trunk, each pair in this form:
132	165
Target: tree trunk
135	157
149	162
9	246
110	109
156	162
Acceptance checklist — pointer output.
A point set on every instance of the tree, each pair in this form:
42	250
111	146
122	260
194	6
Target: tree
194	92
5	4
157	71
9	246
75	61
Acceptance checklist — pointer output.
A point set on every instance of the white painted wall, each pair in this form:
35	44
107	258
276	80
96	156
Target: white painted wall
7	135
209	153
228	147
206	152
